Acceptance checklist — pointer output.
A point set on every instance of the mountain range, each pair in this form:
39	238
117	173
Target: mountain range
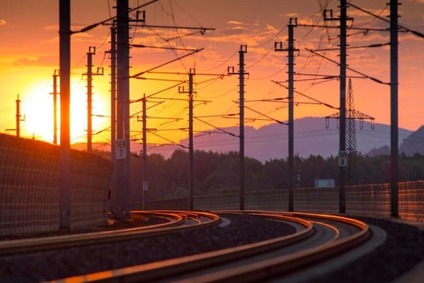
311	137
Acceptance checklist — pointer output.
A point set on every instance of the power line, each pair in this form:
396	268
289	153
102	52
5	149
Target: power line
349	68
217	128
169	62
307	96
357	47
92	26
417	33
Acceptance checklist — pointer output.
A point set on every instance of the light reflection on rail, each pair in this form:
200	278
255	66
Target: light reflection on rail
246	272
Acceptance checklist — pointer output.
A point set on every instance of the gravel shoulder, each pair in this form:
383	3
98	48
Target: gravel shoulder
400	253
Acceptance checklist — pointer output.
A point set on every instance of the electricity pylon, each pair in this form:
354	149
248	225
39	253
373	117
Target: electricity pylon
351	116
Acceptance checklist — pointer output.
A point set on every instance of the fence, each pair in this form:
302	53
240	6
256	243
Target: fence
364	200
29	192
29	187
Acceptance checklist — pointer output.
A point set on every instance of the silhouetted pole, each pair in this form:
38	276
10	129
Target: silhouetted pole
190	137
55	93
144	176
243	49
90	74
65	93
241	73
18	117
342	133
291	110
190	93
342	79
290	49
90	53
394	131
113	191
123	119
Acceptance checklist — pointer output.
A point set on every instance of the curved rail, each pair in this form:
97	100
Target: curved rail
203	218
317	238
277	266
153	271
176	221
253	272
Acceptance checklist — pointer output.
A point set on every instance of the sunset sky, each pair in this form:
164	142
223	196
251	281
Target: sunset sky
29	55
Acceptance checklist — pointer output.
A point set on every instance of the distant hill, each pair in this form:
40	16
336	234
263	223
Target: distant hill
383	150
271	141
414	143
311	137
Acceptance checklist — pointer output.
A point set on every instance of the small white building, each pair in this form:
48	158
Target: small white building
325	183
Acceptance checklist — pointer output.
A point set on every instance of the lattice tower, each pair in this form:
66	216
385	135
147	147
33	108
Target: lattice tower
351	116
350	121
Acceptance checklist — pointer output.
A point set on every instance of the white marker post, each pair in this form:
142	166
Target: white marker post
120	149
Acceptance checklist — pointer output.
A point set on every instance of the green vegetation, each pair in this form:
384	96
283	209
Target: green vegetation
216	173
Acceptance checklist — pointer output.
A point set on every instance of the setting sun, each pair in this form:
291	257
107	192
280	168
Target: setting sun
38	115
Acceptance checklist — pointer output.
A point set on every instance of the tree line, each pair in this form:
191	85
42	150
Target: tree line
216	173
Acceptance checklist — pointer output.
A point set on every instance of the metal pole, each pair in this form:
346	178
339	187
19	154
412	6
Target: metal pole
123	132
243	49
190	138
394	135
342	133
89	97
18	117
55	76
65	87
290	49
113	191
291	112
144	181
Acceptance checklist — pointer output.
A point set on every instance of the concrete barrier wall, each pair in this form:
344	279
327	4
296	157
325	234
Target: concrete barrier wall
29	187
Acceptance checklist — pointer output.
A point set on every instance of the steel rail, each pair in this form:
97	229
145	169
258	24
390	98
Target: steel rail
265	269
252	272
166	268
196	216
359	224
176	221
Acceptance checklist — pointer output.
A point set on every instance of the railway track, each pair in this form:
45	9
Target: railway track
317	238
175	220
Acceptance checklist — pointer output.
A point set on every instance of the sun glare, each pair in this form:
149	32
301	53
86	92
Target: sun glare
37	112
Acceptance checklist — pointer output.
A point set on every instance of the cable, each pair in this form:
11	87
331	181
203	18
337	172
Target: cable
260	59
417	33
188	14
311	98
351	69
375	18
220	65
272	38
217	128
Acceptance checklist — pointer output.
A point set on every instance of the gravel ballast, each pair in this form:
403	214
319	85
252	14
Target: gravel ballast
403	248
243	229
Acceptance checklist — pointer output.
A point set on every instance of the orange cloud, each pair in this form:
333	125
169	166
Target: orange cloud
232	22
36	61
